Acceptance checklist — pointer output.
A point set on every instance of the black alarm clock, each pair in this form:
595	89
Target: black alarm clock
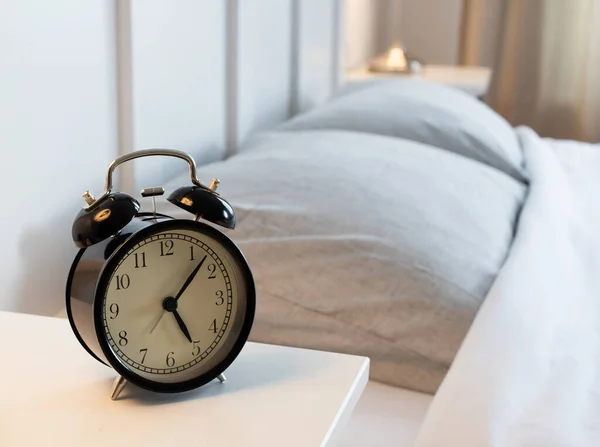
168	303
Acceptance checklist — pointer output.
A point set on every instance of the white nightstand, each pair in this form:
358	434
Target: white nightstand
53	393
472	80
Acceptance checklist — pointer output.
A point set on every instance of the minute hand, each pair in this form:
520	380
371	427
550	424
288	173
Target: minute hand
190	279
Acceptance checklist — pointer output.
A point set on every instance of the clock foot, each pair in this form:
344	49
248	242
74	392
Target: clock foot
222	378
118	386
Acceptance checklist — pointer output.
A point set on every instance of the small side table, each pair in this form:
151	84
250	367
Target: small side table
52	393
472	80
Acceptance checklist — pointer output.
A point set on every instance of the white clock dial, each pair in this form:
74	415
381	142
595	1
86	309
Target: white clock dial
159	335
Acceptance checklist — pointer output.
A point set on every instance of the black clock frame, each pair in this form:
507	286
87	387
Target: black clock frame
103	282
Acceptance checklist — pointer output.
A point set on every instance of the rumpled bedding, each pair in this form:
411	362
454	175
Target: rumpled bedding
528	371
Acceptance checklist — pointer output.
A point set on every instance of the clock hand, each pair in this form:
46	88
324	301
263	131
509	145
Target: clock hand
182	326
190	279
170	304
162	314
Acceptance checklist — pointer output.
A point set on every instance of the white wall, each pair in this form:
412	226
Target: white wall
317	52
264	43
179	86
57	135
82	82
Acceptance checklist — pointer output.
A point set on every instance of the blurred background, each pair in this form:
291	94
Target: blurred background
544	55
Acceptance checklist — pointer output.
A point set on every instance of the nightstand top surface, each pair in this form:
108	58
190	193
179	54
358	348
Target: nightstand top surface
53	393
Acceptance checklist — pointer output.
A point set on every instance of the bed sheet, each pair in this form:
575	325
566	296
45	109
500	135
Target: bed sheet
386	416
527	372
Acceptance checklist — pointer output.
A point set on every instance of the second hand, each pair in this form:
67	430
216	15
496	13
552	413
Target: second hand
158	320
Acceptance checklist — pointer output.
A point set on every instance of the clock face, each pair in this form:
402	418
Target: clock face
175	304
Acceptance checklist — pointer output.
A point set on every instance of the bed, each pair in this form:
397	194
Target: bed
409	223
368	227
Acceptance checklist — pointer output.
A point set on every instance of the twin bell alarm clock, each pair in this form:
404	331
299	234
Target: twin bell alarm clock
167	303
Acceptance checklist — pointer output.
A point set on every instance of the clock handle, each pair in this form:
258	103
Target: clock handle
112	211
149	153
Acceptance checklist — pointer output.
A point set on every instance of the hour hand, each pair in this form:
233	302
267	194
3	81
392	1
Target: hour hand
182	326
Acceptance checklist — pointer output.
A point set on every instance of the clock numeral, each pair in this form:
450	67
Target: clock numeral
213	326
192	253
123	338
220	299
140	257
212	268
166	248
170	359
196	351
114	310
123	281
143	353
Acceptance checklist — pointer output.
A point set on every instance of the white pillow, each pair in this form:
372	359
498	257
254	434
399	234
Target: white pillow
425	112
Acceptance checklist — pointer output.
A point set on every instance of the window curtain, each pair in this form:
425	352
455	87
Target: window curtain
546	60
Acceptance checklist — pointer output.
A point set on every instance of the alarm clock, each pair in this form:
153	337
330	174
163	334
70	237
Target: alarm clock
167	303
